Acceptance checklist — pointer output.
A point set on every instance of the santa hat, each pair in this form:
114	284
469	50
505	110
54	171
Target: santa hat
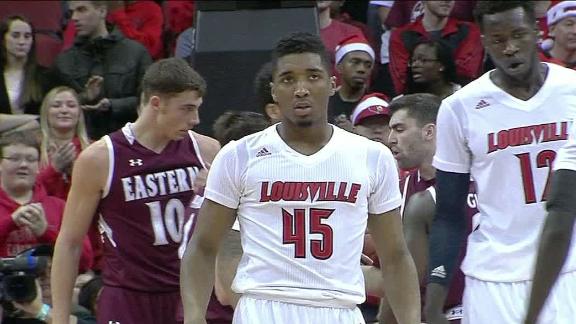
560	11
374	104
353	43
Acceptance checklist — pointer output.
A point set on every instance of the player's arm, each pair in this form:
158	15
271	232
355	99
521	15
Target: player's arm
418	215
88	179
398	270
198	264
227	262
447	234
555	239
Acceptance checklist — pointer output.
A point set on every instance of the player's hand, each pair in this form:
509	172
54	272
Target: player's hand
63	157
33	217
93	87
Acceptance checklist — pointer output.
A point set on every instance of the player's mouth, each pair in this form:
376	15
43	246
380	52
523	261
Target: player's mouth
515	66
302	108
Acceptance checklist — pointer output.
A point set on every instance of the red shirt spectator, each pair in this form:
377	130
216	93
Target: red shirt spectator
407	11
462	37
142	21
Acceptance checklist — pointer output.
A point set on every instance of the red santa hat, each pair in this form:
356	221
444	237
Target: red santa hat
560	11
374	104
353	43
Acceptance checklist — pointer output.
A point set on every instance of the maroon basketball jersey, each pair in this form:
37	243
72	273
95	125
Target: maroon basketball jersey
412	184
145	212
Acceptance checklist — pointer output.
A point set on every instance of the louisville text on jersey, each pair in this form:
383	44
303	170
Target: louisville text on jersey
527	135
315	191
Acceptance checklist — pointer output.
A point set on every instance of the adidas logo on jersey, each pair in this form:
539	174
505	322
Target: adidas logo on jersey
439	272
263	152
481	104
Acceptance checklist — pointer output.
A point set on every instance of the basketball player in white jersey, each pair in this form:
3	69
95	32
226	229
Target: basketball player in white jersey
304	192
504	130
558	229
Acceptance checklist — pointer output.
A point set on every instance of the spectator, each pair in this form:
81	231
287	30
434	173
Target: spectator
22	80
562	29
28	216
462	37
432	70
103	67
337	13
354	63
333	32
264	94
407	11
178	17
140	20
371	118
378	12
63	137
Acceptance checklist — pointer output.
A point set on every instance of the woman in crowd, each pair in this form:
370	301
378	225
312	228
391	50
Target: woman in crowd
22	80
63	137
432	70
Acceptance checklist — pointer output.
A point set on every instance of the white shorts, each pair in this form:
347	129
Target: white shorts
262	311
488	302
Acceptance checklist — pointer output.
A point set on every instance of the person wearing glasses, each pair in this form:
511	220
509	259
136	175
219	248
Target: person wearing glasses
432	70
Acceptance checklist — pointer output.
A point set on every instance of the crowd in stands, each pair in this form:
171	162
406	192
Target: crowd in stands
71	73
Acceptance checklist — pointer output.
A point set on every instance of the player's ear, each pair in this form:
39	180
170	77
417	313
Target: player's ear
429	132
154	102
273	91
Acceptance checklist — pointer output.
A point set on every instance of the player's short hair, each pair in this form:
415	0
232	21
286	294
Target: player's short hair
233	125
169	77
25	138
492	7
262	87
421	106
298	43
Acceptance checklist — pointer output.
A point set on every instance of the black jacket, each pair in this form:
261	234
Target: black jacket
31	107
121	62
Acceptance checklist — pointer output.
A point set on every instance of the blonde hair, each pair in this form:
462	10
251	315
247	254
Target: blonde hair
80	131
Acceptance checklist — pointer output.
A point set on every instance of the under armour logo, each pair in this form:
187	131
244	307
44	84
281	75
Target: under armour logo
135	162
113	322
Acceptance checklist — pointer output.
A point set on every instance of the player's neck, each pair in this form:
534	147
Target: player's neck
427	171
148	136
522	88
563	54
305	140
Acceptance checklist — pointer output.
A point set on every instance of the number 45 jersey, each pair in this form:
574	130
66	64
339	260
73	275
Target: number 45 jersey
302	217
508	145
145	212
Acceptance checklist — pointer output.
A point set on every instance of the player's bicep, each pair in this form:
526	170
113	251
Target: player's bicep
214	221
88	179
386	229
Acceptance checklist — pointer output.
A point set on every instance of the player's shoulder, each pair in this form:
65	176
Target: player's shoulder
93	161
208	146
353	142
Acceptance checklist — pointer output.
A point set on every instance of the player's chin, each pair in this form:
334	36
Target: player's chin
179	135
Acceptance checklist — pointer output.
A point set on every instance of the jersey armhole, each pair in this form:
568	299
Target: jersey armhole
432	191
197	149
110	148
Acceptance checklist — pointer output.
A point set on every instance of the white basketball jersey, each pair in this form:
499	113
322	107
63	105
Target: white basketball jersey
567	156
508	146
302	218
